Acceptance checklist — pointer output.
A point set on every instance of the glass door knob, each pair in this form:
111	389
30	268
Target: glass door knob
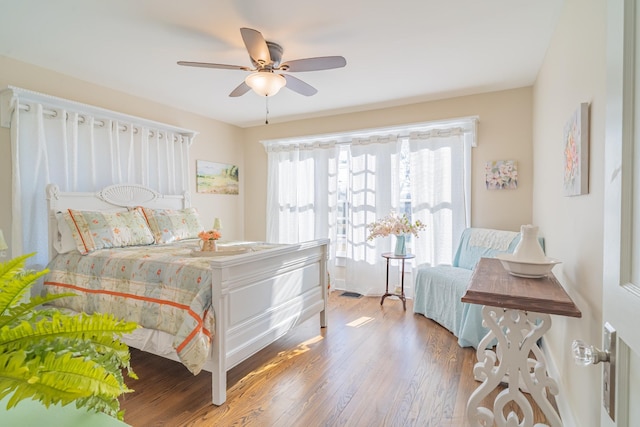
584	354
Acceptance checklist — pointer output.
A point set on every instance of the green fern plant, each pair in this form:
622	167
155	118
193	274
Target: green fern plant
54	357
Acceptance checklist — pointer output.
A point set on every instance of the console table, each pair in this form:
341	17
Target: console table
517	313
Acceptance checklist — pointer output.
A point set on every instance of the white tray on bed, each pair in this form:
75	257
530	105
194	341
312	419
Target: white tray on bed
220	252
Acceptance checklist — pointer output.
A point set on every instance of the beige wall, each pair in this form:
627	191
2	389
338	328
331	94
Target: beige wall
522	124
216	141
573	72
504	133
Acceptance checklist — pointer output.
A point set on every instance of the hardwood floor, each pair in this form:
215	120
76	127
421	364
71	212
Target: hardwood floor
372	366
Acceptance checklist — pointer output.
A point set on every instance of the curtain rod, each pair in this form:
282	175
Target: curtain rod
401	131
12	96
99	123
468	125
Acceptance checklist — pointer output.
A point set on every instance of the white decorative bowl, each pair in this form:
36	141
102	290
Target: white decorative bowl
527	269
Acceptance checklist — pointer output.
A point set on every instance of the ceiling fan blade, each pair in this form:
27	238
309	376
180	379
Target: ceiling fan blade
240	90
211	65
297	85
314	64
256	46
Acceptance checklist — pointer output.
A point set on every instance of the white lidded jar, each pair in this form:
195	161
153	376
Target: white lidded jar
529	249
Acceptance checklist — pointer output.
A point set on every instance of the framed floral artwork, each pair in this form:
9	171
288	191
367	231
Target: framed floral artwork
576	152
216	178
501	175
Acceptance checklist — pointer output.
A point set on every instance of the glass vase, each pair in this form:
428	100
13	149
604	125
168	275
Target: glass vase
208	246
401	245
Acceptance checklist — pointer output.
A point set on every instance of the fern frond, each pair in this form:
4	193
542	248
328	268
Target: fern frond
79	375
15	282
55	380
25	310
12	267
56	357
96	403
97	327
20	376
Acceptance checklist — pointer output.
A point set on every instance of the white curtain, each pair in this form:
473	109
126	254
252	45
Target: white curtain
373	193
301	201
440	161
80	152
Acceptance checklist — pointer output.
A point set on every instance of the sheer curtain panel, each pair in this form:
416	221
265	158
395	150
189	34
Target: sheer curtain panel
440	163
373	193
302	192
81	148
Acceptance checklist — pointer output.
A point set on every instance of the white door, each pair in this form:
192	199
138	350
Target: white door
622	206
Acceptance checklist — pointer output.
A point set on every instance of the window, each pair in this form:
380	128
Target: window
422	171
342	202
404	203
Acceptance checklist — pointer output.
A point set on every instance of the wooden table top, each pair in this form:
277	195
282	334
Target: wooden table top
492	285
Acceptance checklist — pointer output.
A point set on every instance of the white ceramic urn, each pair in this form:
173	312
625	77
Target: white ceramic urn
529	249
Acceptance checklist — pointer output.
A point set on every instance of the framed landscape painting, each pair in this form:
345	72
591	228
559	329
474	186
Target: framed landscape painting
216	178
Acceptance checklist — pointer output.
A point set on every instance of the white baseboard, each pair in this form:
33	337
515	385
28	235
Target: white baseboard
565	411
337	284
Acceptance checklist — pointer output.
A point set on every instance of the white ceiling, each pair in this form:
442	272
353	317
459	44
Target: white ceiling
397	51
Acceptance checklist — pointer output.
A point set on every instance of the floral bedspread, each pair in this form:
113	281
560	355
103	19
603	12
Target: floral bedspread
159	286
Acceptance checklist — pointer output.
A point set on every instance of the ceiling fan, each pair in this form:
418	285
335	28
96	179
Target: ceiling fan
266	78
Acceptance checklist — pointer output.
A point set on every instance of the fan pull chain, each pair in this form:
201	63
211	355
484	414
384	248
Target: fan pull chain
266	114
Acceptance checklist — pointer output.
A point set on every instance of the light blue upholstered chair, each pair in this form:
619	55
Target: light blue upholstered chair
438	289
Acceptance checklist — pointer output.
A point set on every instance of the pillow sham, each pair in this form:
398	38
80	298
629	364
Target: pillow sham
94	230
64	242
169	225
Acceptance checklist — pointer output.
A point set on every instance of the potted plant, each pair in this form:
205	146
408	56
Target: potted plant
54	357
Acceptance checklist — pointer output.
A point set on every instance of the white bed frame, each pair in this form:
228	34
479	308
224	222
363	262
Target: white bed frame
257	297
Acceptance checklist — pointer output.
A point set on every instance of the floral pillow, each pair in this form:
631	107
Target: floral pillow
168	225
94	230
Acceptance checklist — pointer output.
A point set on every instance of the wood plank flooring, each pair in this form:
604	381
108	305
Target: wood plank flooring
372	366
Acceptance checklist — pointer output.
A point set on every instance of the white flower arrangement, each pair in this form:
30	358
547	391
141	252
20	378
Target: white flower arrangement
394	224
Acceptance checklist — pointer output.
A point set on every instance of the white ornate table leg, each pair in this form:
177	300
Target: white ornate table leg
517	333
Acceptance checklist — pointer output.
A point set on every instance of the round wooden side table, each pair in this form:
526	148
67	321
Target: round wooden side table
389	256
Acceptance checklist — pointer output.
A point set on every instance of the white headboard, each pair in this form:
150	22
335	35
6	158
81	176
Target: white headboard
113	196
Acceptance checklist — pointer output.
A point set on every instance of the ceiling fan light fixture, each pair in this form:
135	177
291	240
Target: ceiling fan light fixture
265	83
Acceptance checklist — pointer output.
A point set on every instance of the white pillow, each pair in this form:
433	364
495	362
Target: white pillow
64	243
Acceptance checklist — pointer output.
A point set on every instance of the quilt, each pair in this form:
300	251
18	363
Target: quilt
160	287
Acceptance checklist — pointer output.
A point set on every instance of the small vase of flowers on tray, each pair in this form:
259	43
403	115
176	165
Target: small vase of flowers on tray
400	226
208	240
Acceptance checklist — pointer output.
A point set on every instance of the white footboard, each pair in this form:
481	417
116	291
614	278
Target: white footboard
259	297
